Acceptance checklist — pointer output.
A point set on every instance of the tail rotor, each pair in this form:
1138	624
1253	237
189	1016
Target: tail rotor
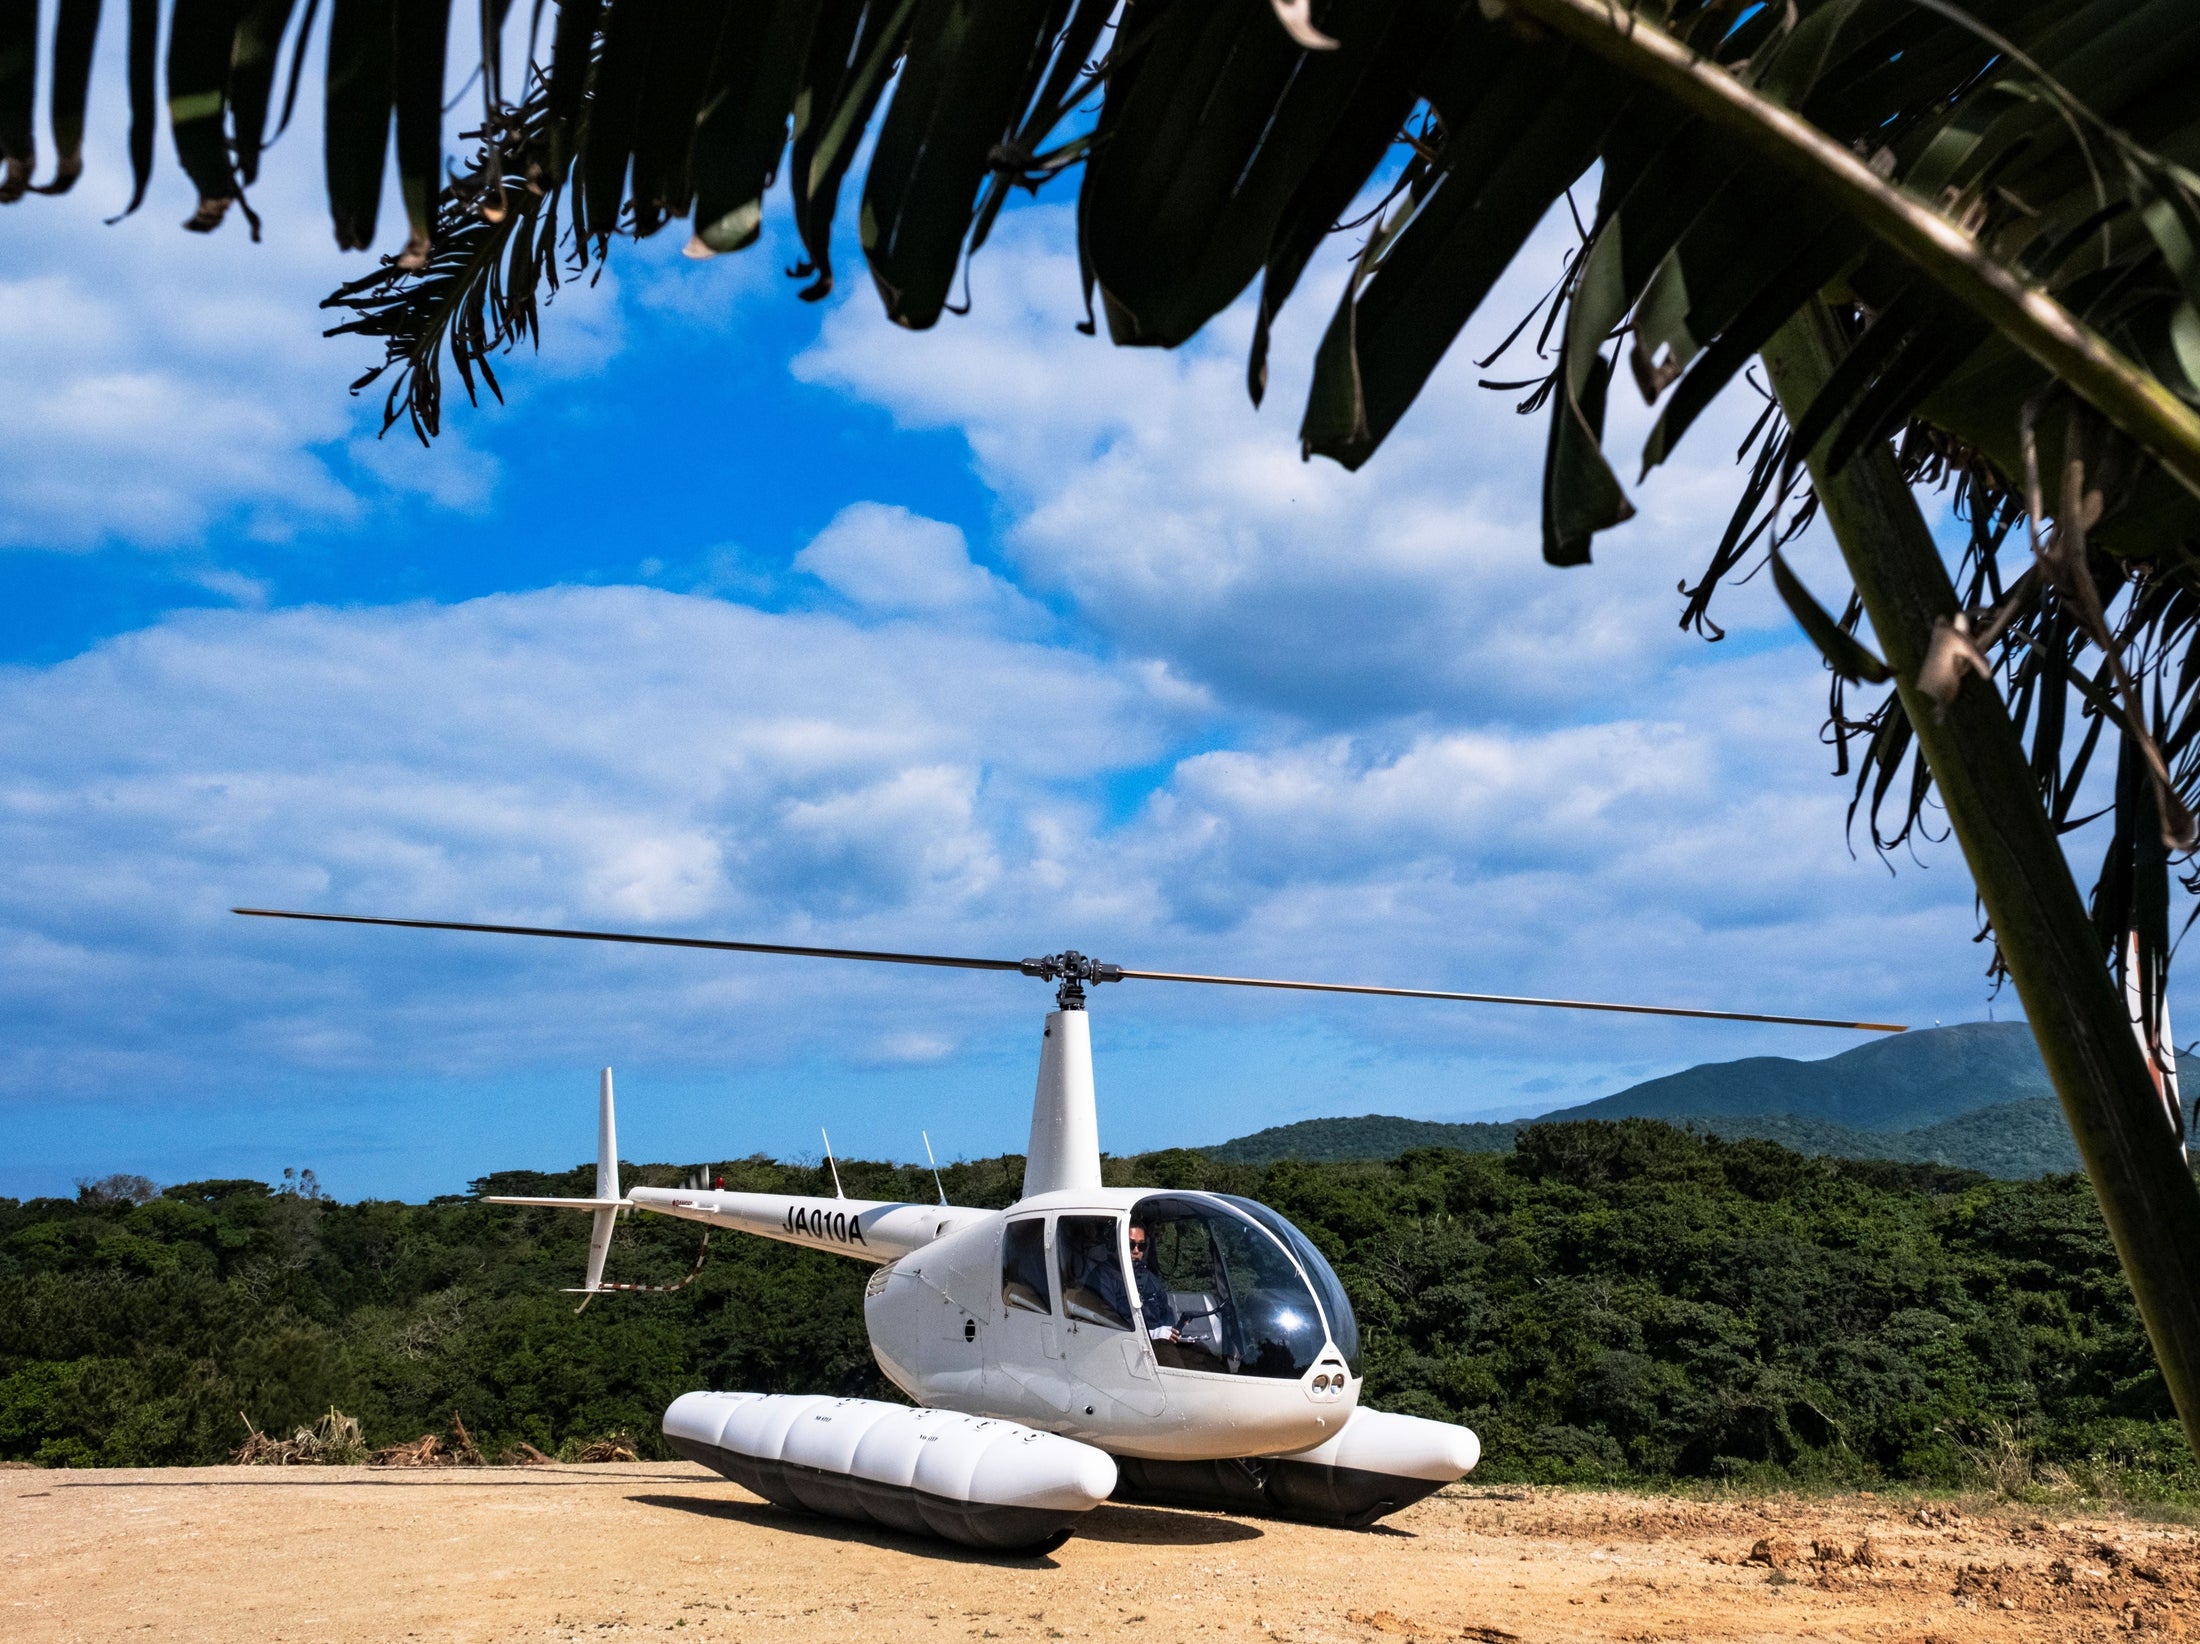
607	1205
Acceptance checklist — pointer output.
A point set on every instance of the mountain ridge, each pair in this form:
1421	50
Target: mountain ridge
1901	1082
1974	1096
2013	1140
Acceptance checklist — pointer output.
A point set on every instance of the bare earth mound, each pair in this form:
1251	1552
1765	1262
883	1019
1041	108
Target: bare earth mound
593	1552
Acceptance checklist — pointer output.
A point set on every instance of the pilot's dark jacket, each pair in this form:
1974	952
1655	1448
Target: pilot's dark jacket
1153	1298
1153	1294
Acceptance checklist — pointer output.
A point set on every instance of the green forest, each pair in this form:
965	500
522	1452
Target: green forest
1607	1302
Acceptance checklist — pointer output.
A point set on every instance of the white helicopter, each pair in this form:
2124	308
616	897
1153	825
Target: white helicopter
1086	1343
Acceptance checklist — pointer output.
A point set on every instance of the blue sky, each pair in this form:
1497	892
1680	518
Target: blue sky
753	618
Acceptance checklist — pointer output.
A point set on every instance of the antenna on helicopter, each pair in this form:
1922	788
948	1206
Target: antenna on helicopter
829	1165
934	1163
1071	970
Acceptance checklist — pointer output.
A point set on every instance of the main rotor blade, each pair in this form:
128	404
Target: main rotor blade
1506	999
946	960
1090	971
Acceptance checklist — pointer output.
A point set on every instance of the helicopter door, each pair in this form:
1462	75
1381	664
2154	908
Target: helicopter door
1027	1343
1105	1351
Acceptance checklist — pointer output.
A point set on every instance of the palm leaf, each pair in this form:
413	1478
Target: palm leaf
362	46
2002	196
257	55
201	40
18	95
741	122
420	29
75	34
971	68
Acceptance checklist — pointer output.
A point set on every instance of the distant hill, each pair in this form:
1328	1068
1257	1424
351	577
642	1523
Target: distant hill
1377	1136
2016	1140
1974	1096
1900	1082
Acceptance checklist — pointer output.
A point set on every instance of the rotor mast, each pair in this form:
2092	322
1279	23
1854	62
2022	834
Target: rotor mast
1064	1150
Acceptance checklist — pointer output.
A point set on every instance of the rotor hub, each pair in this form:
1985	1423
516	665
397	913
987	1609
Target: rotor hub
1072	970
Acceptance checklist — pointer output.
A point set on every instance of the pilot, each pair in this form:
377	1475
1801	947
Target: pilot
1153	1291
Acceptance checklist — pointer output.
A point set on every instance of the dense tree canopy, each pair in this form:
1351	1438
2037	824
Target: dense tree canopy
1609	1301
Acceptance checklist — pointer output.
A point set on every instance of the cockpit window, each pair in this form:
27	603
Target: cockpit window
1344	1329
1088	1257
1024	1266
1218	1292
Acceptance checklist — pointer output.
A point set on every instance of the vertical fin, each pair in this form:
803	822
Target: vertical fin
607	1142
607	1185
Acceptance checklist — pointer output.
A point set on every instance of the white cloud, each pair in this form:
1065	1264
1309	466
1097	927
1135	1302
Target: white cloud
889	561
630	758
1183	524
142	415
599	756
454	474
170	388
1461	763
908	1048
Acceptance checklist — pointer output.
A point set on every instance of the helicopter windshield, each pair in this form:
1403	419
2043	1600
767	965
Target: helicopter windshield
1344	1329
1235	1301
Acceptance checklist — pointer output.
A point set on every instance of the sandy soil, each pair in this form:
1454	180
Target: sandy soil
599	1552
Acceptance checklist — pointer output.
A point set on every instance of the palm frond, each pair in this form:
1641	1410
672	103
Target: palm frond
492	263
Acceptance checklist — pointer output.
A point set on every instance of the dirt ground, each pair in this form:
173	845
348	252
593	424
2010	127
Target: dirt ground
316	1553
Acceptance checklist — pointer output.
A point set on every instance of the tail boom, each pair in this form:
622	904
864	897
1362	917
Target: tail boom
871	1230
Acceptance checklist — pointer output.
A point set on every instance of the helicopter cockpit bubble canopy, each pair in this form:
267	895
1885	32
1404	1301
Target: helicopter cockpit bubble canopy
1344	1329
1240	1285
